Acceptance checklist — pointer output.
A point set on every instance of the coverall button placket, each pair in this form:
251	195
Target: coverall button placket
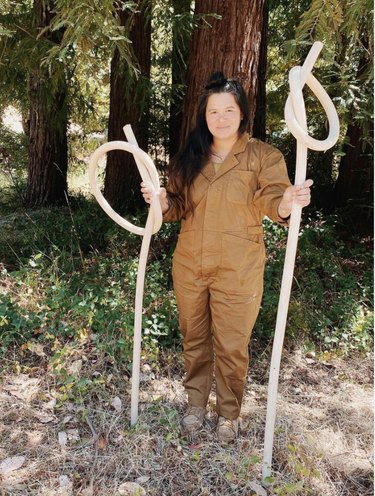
211	244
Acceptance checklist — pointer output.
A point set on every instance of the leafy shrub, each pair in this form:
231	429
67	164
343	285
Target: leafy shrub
60	296
331	300
13	160
74	277
66	232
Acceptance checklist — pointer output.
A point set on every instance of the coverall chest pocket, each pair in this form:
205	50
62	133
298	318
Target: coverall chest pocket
241	186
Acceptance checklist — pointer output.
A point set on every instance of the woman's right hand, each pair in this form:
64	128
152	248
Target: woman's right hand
149	193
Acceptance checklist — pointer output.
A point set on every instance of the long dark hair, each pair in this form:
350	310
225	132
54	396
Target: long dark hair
189	160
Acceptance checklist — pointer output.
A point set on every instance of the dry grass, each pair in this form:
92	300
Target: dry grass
323	441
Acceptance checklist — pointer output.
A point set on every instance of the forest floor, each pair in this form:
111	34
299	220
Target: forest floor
84	446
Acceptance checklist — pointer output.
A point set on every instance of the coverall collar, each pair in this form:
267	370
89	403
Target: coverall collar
229	162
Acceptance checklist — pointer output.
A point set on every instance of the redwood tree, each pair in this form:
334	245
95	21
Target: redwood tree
48	152
354	186
259	125
128	105
180	51
230	44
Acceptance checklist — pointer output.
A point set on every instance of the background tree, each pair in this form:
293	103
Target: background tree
259	127
42	44
129	104
346	29
181	34
40	92
48	147
231	44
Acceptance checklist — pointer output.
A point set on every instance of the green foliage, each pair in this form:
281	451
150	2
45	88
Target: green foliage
14	325
300	465
345	70
91	27
15	42
79	42
13	160
60	233
71	274
346	29
63	291
331	301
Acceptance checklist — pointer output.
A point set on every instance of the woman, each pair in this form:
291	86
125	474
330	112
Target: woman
221	185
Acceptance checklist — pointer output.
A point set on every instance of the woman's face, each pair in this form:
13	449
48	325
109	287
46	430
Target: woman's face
223	116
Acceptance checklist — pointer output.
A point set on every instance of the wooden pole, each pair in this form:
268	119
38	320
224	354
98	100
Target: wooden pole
295	116
154	221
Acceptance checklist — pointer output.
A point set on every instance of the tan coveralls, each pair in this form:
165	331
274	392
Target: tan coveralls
218	268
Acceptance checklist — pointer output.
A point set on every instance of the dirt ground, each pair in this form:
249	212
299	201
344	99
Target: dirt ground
323	437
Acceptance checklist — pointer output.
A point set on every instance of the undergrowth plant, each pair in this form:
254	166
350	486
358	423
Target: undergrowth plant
331	300
69	275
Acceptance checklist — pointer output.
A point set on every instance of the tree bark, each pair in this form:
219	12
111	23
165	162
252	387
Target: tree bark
259	127
354	186
355	178
230	44
129	104
48	150
180	51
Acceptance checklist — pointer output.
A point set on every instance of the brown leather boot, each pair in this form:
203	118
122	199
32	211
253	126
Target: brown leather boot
192	420
226	430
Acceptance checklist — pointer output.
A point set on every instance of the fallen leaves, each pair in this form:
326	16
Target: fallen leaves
10	464
63	438
89	491
44	418
102	442
131	489
23	387
257	488
117	404
75	368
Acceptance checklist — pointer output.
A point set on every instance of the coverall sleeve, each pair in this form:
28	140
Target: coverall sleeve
176	208
272	182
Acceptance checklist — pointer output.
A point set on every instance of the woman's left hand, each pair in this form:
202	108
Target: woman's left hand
298	195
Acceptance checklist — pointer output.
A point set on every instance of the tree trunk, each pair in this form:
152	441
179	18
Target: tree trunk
354	186
259	127
355	179
180	51
231	45
129	104
48	150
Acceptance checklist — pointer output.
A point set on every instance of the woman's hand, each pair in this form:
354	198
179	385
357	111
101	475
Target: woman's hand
149	193
298	195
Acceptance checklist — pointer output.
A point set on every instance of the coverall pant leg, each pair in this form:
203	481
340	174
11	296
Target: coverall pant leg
233	318
192	296
216	328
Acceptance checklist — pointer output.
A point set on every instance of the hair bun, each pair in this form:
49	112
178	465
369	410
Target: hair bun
216	79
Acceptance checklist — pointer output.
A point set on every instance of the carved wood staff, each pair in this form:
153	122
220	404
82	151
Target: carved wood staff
154	221
295	116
